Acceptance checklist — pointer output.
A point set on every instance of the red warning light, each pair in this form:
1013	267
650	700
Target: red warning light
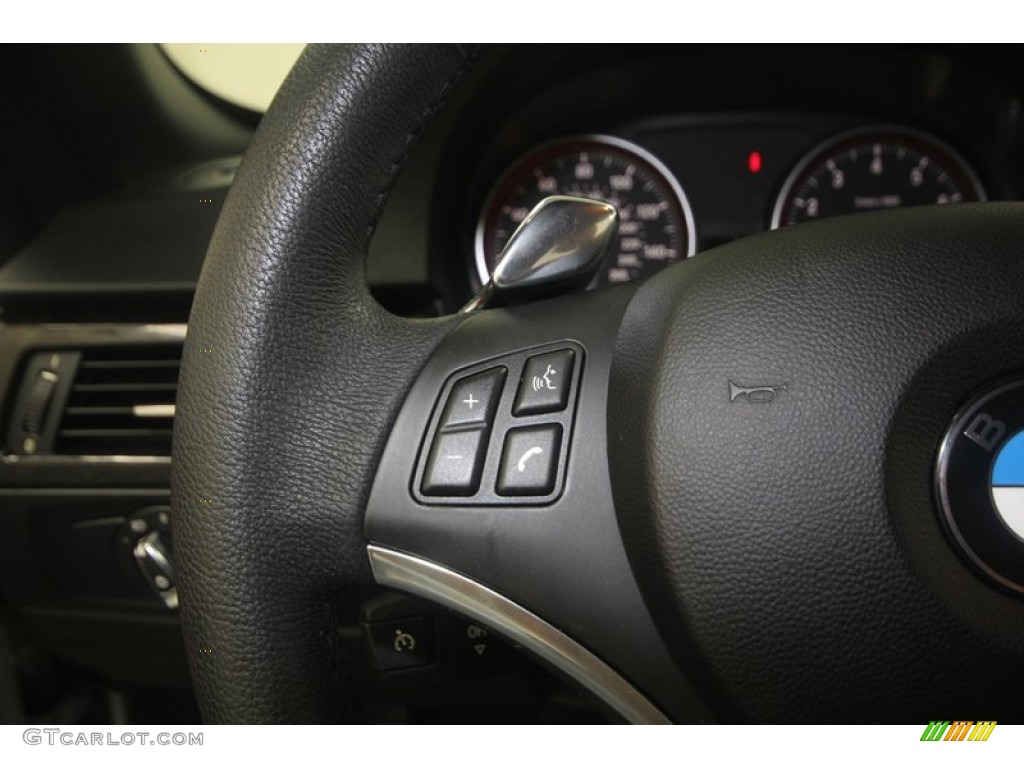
754	161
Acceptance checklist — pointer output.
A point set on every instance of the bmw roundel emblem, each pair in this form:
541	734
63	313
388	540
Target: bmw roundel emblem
980	482
1008	484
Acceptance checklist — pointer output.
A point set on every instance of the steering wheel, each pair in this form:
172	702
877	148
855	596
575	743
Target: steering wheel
732	513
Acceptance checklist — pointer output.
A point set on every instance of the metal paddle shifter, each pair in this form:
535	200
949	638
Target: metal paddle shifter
558	246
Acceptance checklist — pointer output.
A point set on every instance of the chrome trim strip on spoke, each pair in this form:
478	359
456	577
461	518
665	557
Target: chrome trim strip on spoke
453	590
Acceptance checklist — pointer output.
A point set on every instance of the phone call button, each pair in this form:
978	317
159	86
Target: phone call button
529	461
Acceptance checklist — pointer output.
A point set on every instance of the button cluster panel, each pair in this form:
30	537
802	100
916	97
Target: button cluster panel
501	430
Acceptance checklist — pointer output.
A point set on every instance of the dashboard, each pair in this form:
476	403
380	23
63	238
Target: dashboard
696	146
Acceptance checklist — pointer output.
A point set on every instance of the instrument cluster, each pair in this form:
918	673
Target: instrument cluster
683	186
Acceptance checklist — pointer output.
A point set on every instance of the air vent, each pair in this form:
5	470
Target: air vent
121	402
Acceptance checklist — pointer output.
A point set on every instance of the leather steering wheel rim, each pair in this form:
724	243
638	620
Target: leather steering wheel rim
269	485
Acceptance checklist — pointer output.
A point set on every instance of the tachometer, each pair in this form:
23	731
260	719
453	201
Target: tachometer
872	169
655	220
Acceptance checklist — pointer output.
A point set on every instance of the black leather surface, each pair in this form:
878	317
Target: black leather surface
791	552
290	380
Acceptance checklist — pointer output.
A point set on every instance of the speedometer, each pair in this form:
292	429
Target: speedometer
655	220
873	169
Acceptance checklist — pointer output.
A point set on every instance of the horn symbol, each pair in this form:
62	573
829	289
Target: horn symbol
754	394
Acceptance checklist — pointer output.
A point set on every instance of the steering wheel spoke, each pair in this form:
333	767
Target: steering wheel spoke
521	533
